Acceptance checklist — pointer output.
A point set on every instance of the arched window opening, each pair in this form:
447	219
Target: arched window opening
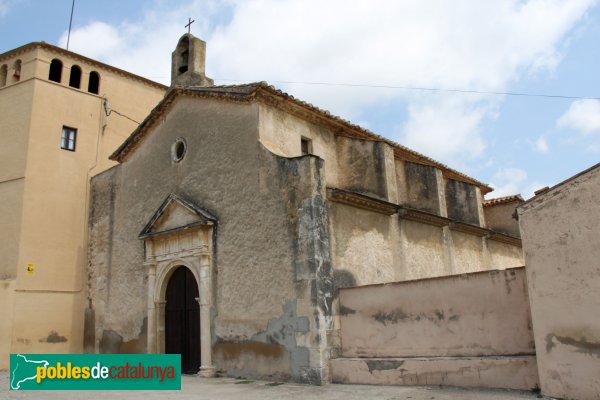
75	78
55	70
3	74
184	54
16	73
94	82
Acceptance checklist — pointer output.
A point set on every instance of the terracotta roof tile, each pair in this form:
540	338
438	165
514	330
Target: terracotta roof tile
503	200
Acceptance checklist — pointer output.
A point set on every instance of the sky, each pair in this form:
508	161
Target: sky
368	61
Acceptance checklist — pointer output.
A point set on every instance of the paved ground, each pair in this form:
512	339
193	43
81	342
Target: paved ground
226	388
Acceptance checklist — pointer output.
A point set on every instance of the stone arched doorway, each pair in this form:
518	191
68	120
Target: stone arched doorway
179	245
182	319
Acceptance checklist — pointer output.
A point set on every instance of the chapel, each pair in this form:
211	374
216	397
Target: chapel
236	214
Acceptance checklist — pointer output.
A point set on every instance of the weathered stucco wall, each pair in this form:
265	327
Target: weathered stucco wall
7	292
479	314
11	193
516	372
281	133
560	240
362	167
463	202
422	190
47	323
500	218
370	247
469	254
363	243
15	111
425	250
273	286
504	255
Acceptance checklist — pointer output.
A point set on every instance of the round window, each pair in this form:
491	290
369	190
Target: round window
178	150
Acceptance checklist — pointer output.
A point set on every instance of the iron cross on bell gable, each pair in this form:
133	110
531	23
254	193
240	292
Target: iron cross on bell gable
189	24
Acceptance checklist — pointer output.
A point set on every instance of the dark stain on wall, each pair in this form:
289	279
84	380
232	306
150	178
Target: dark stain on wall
89	329
397	315
302	186
232	351
582	345
282	331
110	342
422	188
308	218
383	365
461	201
362	166
346	310
240	358
53	337
343	279
390	317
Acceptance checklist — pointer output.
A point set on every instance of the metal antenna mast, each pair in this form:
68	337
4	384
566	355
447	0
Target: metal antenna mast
70	24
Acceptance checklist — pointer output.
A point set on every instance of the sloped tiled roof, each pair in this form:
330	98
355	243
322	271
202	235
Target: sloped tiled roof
268	94
503	200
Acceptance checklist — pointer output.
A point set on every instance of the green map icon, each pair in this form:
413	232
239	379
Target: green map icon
23	370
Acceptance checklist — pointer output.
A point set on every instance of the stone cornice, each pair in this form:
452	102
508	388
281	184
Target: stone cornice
361	201
423	217
503	238
468	228
369	203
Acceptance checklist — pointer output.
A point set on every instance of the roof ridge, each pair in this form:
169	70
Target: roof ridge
502	200
252	88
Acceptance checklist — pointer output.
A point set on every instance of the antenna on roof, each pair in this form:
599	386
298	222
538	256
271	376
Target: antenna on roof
70	23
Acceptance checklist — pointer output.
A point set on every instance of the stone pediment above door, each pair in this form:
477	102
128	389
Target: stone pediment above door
175	214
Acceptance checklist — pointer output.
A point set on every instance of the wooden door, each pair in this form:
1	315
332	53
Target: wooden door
182	319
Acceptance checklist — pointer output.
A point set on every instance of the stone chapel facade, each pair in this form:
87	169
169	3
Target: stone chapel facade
237	212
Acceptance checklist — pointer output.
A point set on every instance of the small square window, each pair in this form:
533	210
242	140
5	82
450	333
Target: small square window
68	138
306	146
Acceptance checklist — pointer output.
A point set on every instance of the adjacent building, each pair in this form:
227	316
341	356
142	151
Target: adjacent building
61	115
560	228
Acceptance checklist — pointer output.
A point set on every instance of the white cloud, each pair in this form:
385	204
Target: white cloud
143	47
5	6
465	44
541	145
582	116
107	40
508	181
512	181
444	128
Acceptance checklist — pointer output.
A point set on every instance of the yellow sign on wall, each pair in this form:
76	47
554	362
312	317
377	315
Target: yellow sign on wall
30	268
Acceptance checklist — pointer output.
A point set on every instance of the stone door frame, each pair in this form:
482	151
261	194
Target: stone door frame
191	248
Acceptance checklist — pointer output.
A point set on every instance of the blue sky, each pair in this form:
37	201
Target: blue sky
515	143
